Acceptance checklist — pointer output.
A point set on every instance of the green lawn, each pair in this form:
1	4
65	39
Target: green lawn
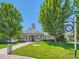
3	46
47	50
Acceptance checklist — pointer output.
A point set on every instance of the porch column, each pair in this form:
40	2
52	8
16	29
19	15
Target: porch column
27	37
35	38
41	37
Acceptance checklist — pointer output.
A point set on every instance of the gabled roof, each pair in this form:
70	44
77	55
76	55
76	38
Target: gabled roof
32	30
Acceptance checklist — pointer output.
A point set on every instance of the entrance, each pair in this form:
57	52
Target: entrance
32	38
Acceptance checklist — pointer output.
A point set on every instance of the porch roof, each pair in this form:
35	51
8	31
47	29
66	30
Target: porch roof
32	31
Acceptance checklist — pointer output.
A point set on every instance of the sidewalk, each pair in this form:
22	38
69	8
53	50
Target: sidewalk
14	57
3	52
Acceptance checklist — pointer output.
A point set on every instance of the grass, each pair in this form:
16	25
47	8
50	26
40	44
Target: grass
47	50
6	45
3	46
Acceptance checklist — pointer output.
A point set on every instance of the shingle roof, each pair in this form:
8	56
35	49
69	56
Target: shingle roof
32	30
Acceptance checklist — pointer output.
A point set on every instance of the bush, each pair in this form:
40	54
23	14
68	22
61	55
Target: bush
3	39
48	40
61	38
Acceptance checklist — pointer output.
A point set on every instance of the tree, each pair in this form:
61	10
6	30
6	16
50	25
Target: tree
52	16
10	21
76	12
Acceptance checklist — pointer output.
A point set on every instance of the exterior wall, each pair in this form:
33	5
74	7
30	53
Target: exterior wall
37	37
48	37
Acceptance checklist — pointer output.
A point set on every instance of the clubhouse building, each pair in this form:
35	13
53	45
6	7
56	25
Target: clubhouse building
31	34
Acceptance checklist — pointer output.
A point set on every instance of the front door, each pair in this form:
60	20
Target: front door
33	38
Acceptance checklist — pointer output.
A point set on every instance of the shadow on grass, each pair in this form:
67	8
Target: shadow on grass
67	46
62	44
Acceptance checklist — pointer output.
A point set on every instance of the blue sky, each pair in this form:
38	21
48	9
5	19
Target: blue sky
29	10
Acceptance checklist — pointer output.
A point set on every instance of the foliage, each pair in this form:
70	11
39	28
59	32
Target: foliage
3	39
76	7
53	15
10	21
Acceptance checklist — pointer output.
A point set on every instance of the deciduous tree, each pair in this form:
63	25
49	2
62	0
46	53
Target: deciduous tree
52	16
10	21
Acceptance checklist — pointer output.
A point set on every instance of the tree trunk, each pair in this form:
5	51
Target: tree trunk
55	38
9	49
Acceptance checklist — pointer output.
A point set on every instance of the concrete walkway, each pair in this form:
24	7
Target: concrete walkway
14	57
3	52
